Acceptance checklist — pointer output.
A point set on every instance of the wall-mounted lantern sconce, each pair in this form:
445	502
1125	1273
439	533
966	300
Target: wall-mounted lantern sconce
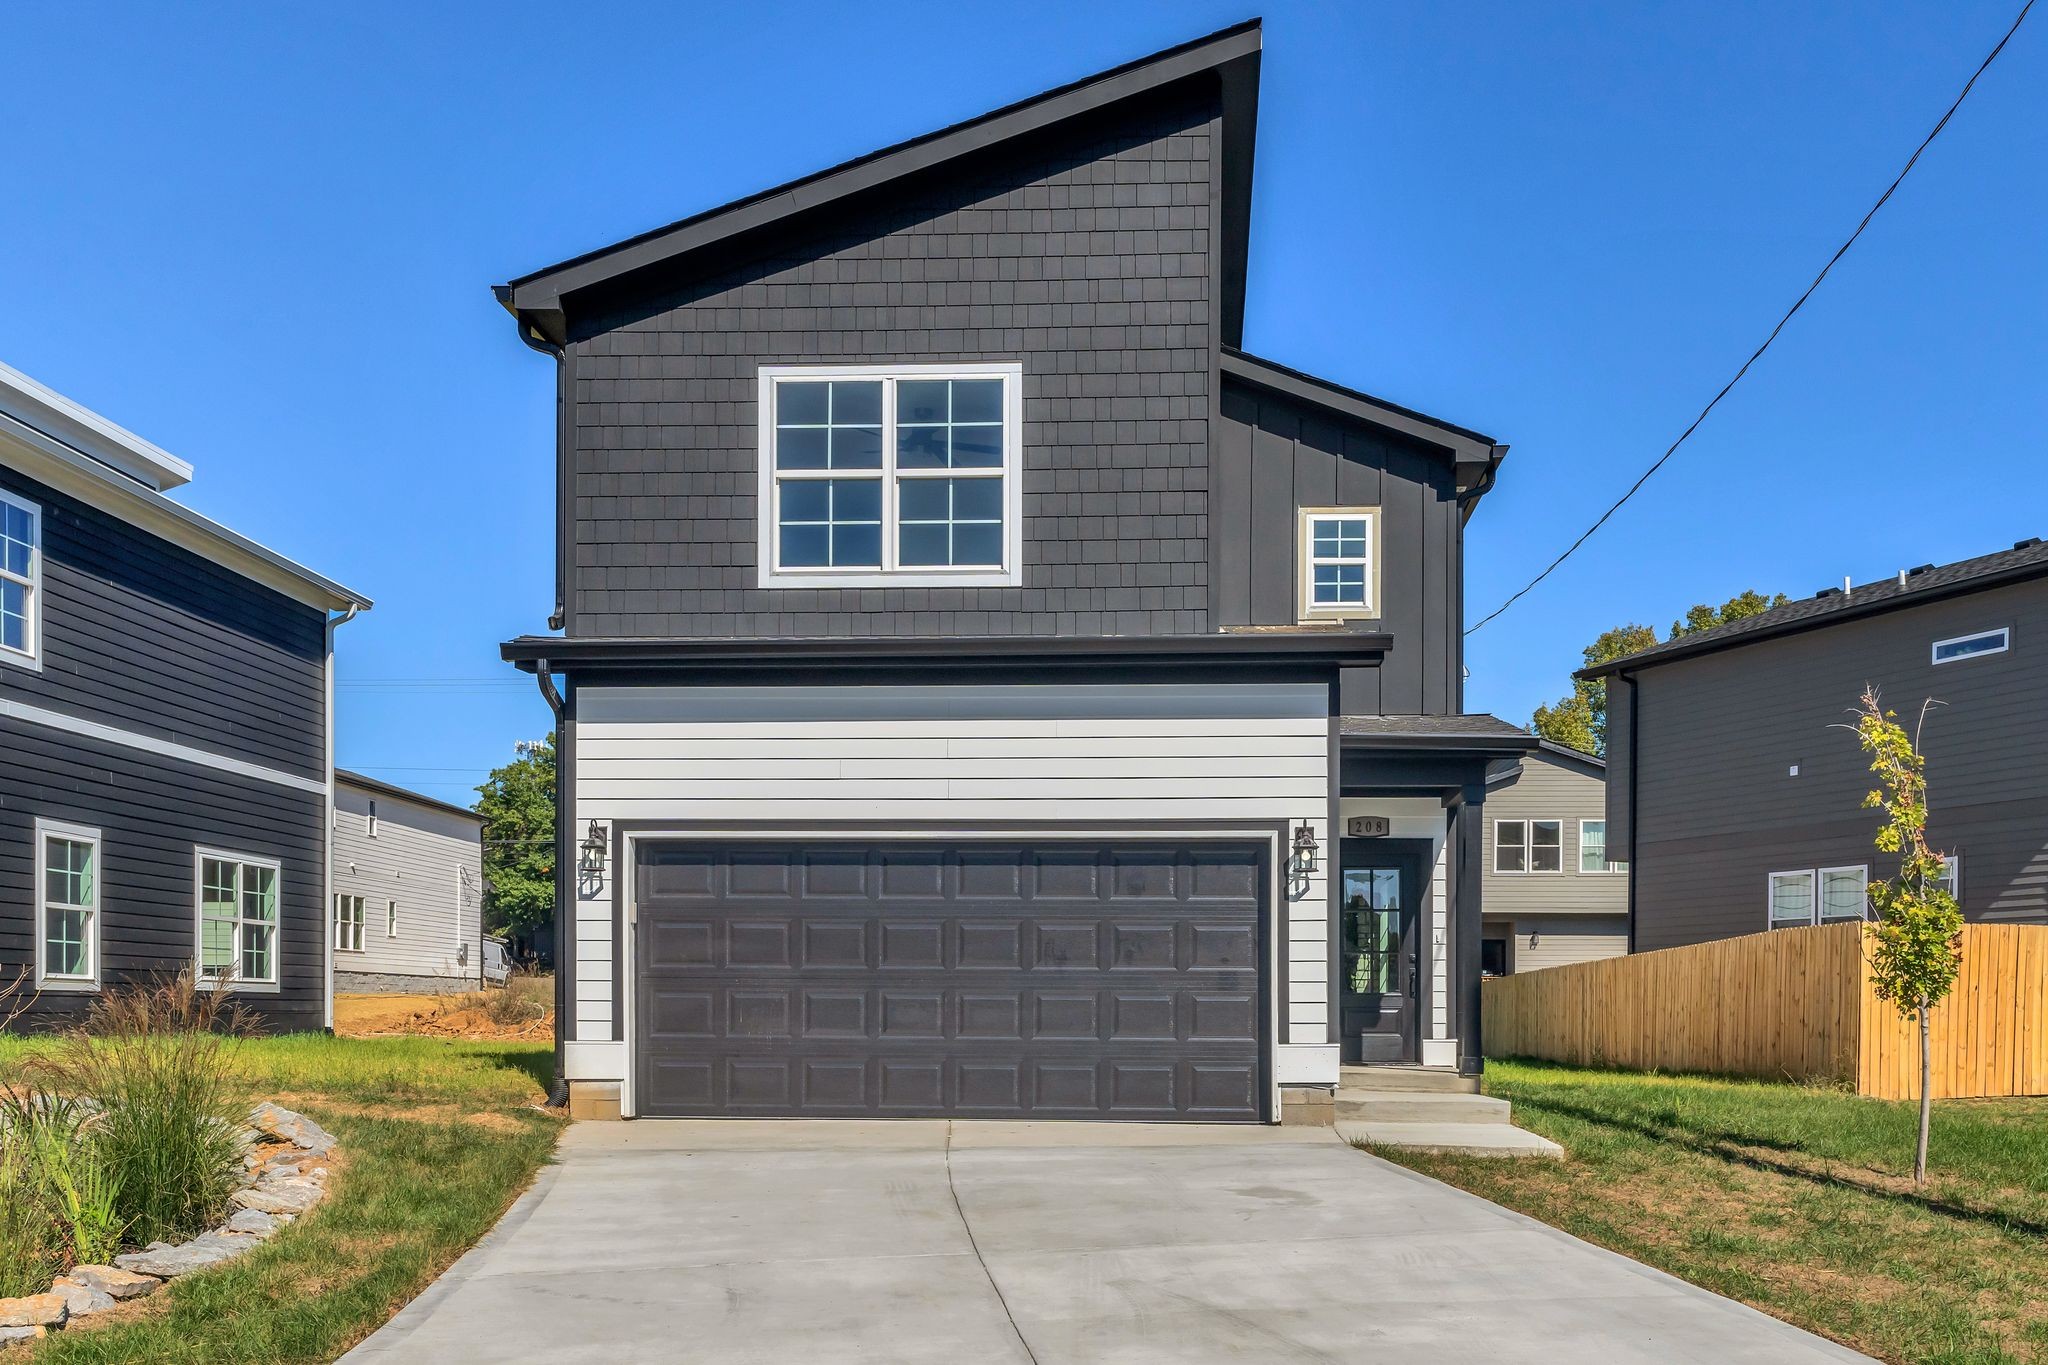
593	848
1305	848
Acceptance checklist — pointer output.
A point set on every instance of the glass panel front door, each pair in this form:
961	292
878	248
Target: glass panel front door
1381	886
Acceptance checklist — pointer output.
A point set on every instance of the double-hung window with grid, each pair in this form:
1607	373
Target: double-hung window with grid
21	573
880	476
68	906
237	919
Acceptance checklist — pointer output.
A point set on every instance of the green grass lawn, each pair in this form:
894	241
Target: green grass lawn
1798	1200
437	1138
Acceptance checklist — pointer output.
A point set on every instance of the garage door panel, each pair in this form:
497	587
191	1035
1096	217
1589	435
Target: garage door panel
1062	981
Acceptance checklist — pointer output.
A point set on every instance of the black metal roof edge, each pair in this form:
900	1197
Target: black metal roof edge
541	291
1566	751
1465	443
847	651
1714	641
1495	743
356	779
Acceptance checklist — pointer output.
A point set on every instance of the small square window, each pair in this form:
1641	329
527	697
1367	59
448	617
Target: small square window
1339	573
1510	846
1791	899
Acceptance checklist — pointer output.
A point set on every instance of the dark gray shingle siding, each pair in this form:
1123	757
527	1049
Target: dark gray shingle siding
1092	264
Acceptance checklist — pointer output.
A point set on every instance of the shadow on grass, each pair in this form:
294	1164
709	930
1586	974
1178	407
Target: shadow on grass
539	1065
1737	1148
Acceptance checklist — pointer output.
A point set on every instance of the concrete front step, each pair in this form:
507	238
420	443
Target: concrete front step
1422	1079
1404	1106
1458	1139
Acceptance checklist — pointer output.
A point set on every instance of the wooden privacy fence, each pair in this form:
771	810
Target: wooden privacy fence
1792	1003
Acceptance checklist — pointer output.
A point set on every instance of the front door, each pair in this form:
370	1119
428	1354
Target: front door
1379	965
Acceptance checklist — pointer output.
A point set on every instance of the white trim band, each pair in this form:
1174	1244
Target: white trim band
150	744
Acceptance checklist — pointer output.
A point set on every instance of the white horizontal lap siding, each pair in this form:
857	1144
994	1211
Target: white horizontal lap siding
419	859
1154	756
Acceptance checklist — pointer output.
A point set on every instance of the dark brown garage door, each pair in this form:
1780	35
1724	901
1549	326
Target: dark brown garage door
1045	979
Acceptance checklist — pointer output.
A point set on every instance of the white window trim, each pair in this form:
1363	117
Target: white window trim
238	982
1305	586
1609	867
1521	871
2004	634
1771	898
390	919
32	657
1820	884
1536	871
361	906
1011	572
45	979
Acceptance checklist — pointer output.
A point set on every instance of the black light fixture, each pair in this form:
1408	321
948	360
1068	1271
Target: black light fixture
1305	847
593	848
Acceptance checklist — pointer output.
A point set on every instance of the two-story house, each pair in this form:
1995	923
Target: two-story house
1735	781
166	729
984	688
408	890
1553	894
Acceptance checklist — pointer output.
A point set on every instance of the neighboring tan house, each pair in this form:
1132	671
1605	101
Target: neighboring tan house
166	729
972	658
408	889
1552	896
1735	781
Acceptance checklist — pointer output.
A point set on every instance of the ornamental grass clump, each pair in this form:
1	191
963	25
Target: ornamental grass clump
154	1060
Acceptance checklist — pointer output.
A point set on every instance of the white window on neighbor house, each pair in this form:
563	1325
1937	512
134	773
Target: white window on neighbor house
1791	899
373	820
906	475
1546	845
1340	565
348	923
1951	878
391	919
1973	646
1510	846
67	906
1843	893
1593	848
21	574
238	899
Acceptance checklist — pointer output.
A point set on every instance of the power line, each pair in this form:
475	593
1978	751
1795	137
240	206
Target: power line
1757	354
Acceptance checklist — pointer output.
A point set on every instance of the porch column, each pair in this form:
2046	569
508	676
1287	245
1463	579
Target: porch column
1469	837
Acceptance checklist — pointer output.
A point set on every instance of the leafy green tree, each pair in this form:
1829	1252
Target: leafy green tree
1916	945
517	802
1580	718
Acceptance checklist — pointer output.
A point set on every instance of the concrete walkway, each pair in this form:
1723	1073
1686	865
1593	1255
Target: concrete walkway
928	1242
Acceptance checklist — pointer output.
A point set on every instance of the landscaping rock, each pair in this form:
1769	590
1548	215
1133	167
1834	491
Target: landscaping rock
254	1223
293	1194
81	1299
168	1262
296	1129
111	1280
281	1168
36	1310
227	1244
10	1335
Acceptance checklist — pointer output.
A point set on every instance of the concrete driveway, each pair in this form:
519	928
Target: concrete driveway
935	1242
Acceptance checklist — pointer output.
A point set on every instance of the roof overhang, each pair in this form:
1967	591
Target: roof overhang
45	458
669	256
88	433
585	657
345	778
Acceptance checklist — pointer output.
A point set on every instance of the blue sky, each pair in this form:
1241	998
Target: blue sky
263	237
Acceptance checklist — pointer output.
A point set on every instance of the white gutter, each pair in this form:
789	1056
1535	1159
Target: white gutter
334	623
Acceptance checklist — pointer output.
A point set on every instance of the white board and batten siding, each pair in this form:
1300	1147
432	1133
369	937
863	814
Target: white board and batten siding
428	860
1136	758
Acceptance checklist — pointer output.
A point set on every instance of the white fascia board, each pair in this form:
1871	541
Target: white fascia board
45	458
91	434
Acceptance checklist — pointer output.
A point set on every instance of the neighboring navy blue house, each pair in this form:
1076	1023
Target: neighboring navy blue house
167	729
985	688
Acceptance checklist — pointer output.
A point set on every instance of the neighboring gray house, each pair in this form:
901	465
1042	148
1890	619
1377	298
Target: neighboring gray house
408	889
1735	790
1552	896
974	664
166	729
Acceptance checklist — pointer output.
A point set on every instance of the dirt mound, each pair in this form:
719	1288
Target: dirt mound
494	1015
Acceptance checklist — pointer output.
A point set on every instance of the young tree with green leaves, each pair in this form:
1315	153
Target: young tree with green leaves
517	802
1579	718
1916	944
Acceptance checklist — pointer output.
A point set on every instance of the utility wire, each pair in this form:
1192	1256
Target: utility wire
1757	354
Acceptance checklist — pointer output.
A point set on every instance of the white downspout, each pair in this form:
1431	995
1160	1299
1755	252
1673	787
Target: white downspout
334	623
